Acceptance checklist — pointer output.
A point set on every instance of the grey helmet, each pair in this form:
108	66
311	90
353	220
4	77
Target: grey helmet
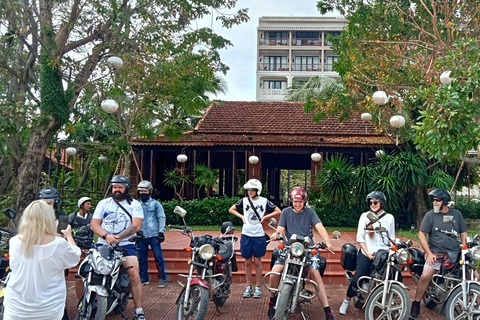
442	194
49	193
120	179
377	195
145	185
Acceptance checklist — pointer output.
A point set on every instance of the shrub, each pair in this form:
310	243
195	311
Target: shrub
333	215
469	209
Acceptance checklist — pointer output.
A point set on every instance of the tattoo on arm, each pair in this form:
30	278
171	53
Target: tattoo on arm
128	232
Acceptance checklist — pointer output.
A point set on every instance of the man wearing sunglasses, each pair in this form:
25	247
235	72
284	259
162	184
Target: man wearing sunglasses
369	242
440	218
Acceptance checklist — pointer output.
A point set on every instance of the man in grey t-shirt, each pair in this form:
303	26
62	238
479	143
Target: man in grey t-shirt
437	223
299	219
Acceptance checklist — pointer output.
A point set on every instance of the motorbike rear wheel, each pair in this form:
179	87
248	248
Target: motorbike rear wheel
455	309
283	302
96	308
398	308
222	293
197	304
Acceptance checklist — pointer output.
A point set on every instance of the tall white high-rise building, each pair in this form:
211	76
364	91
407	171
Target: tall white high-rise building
293	49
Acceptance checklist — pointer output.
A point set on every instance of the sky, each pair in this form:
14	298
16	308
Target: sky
241	57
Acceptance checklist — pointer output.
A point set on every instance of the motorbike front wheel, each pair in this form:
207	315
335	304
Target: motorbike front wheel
197	304
283	302
397	308
455	307
96	308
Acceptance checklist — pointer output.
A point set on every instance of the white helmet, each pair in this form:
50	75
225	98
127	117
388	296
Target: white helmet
145	185
82	200
253	184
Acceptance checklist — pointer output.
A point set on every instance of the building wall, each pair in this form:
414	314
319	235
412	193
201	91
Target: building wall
293	49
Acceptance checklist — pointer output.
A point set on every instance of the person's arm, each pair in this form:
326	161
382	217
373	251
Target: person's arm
275	212
324	234
463	236
161	217
279	230
96	227
67	234
361	234
131	230
233	210
391	229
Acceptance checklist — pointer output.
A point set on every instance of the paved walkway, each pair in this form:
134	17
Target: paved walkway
160	304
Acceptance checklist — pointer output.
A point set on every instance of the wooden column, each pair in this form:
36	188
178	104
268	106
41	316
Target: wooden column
255	170
234	173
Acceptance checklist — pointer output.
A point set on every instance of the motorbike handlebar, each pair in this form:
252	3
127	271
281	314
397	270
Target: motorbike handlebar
9	231
176	227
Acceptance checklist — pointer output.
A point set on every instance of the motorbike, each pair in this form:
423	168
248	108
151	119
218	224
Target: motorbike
5	235
292	289
105	280
455	289
211	265
382	293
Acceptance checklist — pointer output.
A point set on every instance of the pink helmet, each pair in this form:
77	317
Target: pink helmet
297	193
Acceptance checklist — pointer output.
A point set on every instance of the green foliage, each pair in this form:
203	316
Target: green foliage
205	177
469	209
440	179
335	215
335	180
362	183
174	178
207	211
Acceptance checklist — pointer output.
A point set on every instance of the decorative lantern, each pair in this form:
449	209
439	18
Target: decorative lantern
445	77
102	159
109	105
397	121
115	63
316	156
253	159
71	151
380	98
379	153
182	158
366	116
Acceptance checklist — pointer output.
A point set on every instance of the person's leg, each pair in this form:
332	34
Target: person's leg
273	283
157	252
134	275
246	250
314	274
259	250
142	252
422	286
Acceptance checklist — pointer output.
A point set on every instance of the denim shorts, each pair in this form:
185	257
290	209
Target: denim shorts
253	246
128	250
314	258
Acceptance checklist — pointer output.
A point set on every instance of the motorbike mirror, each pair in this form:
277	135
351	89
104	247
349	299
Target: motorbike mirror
409	243
180	211
10	213
273	222
372	217
230	230
336	234
477	237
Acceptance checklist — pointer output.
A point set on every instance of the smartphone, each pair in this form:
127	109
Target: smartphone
62	223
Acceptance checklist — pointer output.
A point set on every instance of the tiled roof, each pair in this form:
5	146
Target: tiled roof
273	124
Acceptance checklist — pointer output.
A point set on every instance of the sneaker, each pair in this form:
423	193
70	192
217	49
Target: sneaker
415	312
248	292
139	316
344	307
257	293
146	283
161	283
329	316
271	310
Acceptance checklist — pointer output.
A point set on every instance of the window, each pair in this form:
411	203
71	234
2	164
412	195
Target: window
329	62
307	34
306	63
271	63
272	84
334	34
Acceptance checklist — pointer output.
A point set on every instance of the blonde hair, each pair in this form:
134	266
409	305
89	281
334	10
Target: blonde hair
37	221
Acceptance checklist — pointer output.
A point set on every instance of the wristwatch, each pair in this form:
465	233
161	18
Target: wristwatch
104	237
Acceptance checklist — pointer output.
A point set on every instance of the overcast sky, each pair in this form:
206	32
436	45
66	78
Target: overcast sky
241	57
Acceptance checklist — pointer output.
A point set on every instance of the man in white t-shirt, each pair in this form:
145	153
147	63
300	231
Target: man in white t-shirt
253	241
111	223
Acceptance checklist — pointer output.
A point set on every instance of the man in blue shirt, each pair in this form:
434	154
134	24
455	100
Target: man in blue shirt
153	228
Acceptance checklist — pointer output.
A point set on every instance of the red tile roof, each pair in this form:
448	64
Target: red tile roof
274	123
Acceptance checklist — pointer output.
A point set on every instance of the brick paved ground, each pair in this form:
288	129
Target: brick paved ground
160	304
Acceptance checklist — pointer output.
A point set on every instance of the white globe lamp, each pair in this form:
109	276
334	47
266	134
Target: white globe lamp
253	159
445	77
380	98
397	121
366	116
71	151
109	105
115	63
316	156
102	159
182	158
379	153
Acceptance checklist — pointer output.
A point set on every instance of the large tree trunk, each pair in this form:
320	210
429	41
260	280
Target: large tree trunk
30	169
420	206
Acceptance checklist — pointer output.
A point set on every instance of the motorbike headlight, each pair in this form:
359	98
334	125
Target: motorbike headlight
206	252
297	249
102	266
402	255
475	253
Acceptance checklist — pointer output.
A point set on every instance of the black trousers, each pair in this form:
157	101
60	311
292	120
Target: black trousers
363	269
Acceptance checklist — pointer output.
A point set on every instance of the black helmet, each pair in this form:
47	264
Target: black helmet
225	225
377	195
121	180
49	193
442	194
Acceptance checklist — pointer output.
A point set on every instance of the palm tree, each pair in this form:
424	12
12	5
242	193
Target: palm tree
316	87
335	180
205	177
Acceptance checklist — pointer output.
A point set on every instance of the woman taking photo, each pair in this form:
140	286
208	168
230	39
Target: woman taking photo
36	288
370	242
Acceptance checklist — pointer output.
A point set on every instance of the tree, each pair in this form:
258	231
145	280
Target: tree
402	47
50	51
205	177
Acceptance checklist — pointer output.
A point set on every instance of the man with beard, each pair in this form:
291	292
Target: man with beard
117	218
